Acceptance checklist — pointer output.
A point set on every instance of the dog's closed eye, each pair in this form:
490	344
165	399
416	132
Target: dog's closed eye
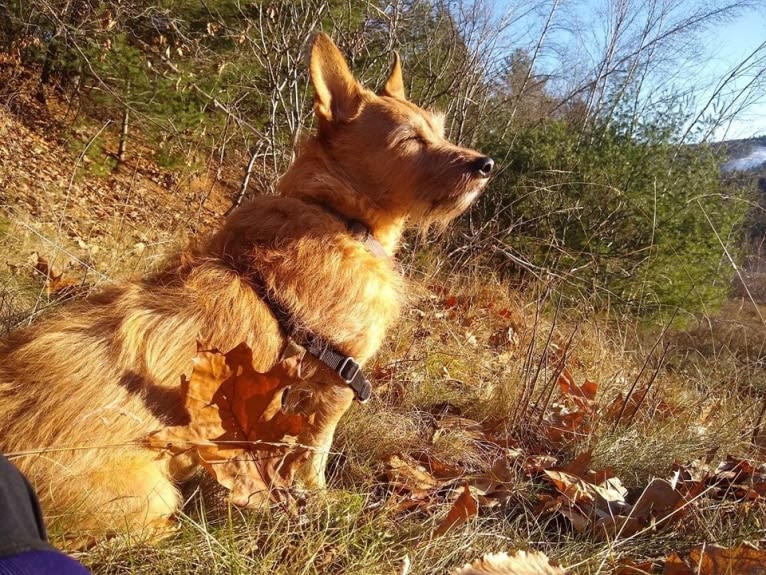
412	139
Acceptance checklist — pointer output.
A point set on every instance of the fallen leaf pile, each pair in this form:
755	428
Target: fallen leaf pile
732	479
51	198
588	500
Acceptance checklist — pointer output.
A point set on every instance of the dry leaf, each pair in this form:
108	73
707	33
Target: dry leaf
464	508
41	267
404	474
520	563
440	469
658	500
607	498
562	425
568	386
580	466
238	429
733	478
740	560
715	560
55	284
674	565
495	486
535	464
604	508
580	522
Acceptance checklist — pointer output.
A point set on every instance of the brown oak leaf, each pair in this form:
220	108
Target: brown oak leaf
407	476
715	560
464	508
520	563
238	430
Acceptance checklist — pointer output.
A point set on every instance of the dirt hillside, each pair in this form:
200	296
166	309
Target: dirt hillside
65	198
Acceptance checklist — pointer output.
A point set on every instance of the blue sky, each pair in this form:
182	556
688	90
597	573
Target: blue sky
730	44
708	57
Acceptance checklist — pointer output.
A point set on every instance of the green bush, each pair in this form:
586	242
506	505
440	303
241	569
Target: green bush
619	212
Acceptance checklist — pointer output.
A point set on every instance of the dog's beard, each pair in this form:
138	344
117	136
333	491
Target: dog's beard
441	212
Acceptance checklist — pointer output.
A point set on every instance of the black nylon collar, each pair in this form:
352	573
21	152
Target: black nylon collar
345	366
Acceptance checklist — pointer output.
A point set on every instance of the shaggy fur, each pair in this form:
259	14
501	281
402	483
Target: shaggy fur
80	390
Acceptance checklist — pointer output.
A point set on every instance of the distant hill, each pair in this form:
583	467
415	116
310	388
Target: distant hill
747	155
747	165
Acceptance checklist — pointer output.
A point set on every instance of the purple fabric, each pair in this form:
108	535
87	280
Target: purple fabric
24	547
49	562
21	521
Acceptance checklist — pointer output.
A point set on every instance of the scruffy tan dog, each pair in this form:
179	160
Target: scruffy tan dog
80	391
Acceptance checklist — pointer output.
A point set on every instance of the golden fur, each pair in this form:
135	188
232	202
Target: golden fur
79	391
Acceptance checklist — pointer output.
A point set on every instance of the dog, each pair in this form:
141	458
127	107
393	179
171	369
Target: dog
80	390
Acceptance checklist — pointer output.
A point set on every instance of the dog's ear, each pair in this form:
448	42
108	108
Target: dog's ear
395	84
338	96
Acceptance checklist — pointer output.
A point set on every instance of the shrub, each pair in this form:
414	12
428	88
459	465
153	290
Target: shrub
618	211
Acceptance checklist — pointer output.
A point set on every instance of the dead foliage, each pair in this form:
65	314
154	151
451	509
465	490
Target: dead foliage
239	430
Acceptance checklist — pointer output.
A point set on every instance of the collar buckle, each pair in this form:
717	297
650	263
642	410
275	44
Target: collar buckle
346	367
348	370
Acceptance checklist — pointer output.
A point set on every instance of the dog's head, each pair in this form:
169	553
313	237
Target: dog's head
391	150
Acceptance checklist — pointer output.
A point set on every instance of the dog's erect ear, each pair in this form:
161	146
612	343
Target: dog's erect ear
395	85
337	94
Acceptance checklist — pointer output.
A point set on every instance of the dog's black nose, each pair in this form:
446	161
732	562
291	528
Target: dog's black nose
484	166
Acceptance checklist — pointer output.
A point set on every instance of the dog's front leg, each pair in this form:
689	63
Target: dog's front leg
324	401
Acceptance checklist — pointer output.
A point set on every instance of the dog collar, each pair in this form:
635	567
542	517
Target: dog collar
344	366
359	231
363	234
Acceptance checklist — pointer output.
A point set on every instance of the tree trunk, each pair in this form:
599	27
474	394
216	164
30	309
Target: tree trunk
47	71
245	181
125	123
